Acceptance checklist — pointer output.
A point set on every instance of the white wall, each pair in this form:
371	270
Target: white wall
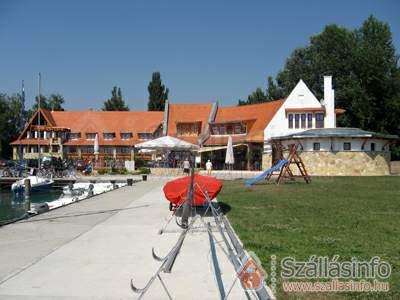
337	144
329	100
300	97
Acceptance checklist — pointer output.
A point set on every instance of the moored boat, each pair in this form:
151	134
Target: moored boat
38	184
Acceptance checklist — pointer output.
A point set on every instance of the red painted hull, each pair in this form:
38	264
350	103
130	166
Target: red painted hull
176	190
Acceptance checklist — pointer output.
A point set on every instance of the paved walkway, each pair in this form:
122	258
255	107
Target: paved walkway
91	250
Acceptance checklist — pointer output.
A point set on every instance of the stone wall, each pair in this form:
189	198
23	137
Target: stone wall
344	163
266	160
166	171
395	167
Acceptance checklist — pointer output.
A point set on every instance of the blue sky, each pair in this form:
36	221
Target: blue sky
205	50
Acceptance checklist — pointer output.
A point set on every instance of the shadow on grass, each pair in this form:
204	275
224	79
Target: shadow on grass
224	207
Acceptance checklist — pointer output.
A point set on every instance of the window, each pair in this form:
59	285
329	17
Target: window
303	120
290	121
87	150
123	150
372	146
229	129
296	120
214	130
317	146
126	135
75	135
238	129
319	120
108	150
71	149
309	120
108	135
347	146
188	129
145	136
221	129
90	135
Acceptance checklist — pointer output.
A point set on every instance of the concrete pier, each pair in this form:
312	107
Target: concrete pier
91	250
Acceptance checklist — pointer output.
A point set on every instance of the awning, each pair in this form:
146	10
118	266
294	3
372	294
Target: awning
208	149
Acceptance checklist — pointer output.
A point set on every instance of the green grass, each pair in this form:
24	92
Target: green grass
348	216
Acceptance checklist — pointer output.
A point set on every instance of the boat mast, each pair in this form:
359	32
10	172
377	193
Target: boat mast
38	129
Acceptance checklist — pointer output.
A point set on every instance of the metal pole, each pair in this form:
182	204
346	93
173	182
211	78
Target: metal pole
187	206
27	193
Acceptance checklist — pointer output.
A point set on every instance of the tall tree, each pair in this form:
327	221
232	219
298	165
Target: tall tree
158	94
273	92
365	71
10	114
115	102
256	97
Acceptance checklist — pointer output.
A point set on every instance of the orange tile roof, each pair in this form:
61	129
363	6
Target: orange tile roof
108	121
256	116
188	113
223	140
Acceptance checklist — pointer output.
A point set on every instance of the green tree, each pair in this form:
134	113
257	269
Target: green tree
158	94
10	114
365	71
274	92
256	97
115	103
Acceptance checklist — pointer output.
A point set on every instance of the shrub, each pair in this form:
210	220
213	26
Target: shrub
144	170
139	163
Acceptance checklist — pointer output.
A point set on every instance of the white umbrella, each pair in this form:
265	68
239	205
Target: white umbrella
229	158
167	143
96	145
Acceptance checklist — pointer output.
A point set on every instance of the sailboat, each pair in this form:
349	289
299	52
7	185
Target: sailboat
38	183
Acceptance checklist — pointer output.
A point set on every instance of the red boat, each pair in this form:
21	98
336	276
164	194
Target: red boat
176	190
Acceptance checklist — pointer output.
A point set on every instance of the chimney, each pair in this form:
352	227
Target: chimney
329	102
165	122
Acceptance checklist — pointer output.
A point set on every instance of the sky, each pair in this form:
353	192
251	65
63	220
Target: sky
205	50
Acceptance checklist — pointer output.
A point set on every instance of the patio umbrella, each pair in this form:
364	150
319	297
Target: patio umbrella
96	146
176	191
229	158
167	143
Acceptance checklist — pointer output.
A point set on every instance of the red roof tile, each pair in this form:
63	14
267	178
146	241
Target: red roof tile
256	116
108	121
188	113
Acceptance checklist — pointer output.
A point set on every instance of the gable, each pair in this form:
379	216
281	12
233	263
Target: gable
302	97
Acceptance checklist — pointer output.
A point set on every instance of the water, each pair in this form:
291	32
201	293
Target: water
13	205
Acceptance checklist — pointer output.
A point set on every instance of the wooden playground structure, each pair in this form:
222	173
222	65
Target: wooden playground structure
283	166
292	159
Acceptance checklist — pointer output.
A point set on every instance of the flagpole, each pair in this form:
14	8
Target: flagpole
38	129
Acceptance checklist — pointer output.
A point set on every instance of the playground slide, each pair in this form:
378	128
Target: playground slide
277	167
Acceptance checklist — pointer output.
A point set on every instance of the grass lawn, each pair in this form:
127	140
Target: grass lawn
346	216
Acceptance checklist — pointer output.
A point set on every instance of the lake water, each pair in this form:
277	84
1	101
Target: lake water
13	205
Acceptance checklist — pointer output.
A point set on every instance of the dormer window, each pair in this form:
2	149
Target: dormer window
126	135
108	135
188	129
91	136
75	135
145	136
229	128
